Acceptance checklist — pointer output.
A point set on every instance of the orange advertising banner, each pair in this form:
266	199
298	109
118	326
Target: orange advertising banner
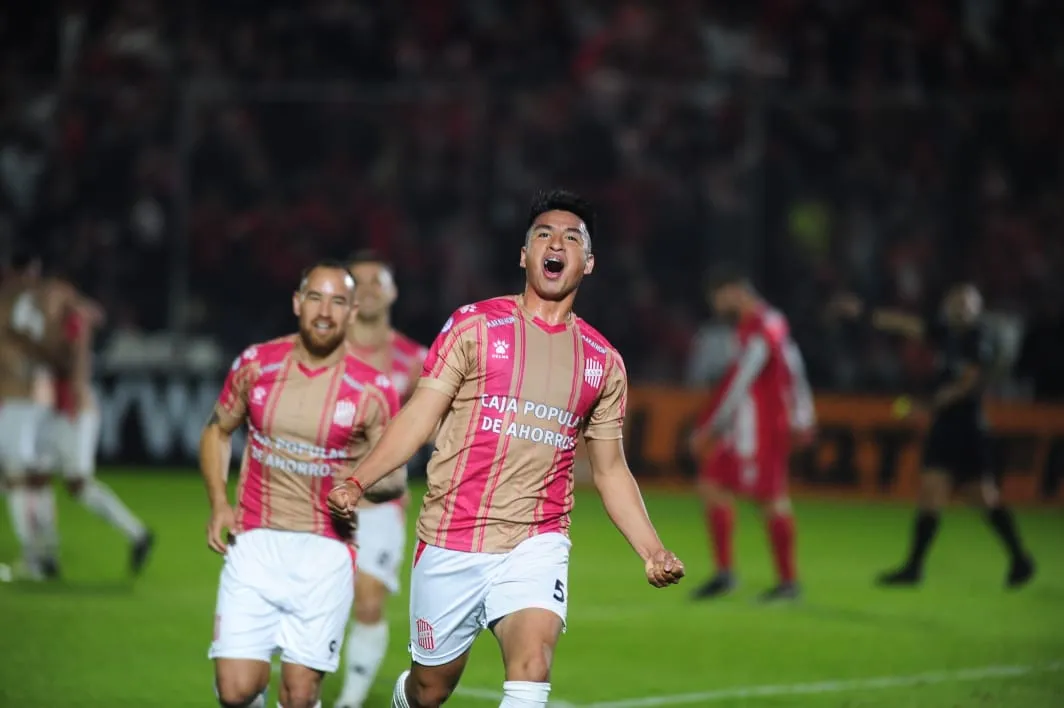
862	449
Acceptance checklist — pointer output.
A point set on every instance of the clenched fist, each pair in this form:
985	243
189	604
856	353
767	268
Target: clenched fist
664	568
343	499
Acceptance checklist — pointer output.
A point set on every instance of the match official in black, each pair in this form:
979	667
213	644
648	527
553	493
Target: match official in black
956	448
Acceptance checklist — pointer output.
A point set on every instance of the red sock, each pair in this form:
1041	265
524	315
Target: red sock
781	533
720	520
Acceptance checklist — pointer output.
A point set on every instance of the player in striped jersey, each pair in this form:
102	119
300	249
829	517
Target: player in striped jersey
515	381
381	527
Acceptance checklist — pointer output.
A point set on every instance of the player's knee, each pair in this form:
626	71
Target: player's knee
237	691
713	494
780	506
75	487
370	596
531	665
368	612
428	689
299	696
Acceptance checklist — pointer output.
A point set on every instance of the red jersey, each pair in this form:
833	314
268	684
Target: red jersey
522	391
66	402
401	358
764	395
307	429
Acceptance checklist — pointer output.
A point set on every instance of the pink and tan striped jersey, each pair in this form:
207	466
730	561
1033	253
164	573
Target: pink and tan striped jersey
400	357
522	392
307	429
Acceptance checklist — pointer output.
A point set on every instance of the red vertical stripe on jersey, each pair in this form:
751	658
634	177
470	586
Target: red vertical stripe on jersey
495	474
451	498
556	486
268	415
462	531
321	486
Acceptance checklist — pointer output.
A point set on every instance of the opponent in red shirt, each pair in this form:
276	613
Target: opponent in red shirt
511	383
381	527
760	405
312	411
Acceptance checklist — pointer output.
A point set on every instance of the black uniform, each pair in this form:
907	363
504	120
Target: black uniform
957	441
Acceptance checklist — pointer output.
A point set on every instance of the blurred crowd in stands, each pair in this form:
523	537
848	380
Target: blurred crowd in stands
211	148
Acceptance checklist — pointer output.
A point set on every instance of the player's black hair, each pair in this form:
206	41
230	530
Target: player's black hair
330	263
22	258
562	200
724	274
368	255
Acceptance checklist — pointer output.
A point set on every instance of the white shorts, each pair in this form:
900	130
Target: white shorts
21	436
455	594
284	591
72	443
381	537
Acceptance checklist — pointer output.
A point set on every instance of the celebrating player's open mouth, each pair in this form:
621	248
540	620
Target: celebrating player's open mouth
554	266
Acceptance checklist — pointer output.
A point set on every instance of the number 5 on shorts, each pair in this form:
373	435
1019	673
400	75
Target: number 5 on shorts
559	591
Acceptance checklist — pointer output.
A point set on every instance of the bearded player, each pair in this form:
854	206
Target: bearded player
514	380
381	527
312	410
762	402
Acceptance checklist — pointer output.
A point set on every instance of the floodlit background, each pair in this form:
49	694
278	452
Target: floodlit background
185	160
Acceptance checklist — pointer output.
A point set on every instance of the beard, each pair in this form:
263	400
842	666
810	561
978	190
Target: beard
319	346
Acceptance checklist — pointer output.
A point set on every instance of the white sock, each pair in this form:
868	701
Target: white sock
399	694
524	694
316	705
19	508
46	533
366	646
100	500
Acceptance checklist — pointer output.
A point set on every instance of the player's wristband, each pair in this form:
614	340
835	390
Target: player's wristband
352	480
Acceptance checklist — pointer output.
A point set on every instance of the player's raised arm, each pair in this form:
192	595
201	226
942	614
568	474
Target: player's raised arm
885	319
216	448
616	485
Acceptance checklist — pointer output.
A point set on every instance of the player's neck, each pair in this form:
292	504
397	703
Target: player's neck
371	333
749	308
553	312
314	361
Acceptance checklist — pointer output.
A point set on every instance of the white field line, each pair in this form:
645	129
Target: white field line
485	694
839	686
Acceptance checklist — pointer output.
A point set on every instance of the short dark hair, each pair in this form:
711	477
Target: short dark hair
724	274
23	258
327	263
368	255
562	200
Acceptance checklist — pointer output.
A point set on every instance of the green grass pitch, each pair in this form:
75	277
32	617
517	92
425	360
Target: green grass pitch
99	639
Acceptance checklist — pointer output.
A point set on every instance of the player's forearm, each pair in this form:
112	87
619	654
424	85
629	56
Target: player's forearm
624	505
897	322
216	447
407	432
390	488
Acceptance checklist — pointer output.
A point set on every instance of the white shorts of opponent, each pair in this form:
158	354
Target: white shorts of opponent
455	594
284	591
381	536
72	443
22	429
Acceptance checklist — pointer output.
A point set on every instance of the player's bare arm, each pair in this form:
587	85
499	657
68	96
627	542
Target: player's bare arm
885	319
215	452
624	504
407	432
967	382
